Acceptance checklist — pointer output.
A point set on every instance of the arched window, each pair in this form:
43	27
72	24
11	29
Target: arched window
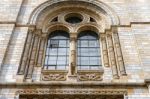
57	51
88	51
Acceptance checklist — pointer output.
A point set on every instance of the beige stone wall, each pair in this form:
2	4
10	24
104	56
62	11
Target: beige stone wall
13	54
127	10
134	40
5	36
9	10
135	46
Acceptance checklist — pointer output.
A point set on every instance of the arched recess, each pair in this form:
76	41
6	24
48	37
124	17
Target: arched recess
100	6
40	27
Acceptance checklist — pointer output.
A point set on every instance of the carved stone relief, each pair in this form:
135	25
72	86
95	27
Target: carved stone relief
73	91
53	76
90	75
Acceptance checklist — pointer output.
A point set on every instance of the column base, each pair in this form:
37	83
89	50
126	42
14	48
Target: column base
20	78
72	78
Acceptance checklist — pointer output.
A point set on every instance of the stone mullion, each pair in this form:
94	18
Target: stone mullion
32	58
72	66
41	52
29	55
104	50
119	54
25	53
112	56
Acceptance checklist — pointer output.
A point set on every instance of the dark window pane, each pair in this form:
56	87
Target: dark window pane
54	43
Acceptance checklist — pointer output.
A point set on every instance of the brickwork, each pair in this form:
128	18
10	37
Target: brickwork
133	32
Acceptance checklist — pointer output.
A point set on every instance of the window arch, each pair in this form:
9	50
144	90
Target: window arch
56	56
83	59
88	51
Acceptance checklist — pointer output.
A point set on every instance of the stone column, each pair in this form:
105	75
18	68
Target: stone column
41	51
72	65
29	57
112	55
38	46
104	49
27	46
32	58
119	53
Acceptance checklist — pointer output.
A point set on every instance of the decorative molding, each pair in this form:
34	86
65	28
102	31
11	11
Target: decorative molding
73	91
53	75
90	75
72	96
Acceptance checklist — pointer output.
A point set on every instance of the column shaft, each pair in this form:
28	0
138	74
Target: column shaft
112	56
119	54
72	66
32	58
41	52
25	53
104	51
29	55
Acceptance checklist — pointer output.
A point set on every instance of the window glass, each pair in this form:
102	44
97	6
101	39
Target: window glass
57	51
88	51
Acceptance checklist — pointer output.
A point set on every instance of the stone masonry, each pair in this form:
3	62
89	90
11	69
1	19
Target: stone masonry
129	18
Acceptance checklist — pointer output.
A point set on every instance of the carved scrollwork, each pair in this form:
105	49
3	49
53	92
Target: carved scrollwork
90	75
73	91
54	76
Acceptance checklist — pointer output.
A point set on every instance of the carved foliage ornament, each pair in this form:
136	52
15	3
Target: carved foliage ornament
54	76
90	76
73	91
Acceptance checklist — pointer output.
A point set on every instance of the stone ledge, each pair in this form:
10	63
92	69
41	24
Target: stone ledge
62	83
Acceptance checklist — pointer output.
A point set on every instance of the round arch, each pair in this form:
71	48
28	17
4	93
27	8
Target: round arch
100	6
55	27
89	27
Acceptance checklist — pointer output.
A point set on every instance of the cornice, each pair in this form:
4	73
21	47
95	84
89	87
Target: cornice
63	83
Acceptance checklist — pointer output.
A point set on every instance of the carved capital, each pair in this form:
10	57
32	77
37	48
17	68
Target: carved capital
38	32
102	36
73	36
115	29
31	29
109	33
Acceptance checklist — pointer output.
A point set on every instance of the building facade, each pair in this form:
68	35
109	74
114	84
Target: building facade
74	49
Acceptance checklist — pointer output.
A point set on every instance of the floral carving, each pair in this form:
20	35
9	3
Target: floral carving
90	75
73	91
54	76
